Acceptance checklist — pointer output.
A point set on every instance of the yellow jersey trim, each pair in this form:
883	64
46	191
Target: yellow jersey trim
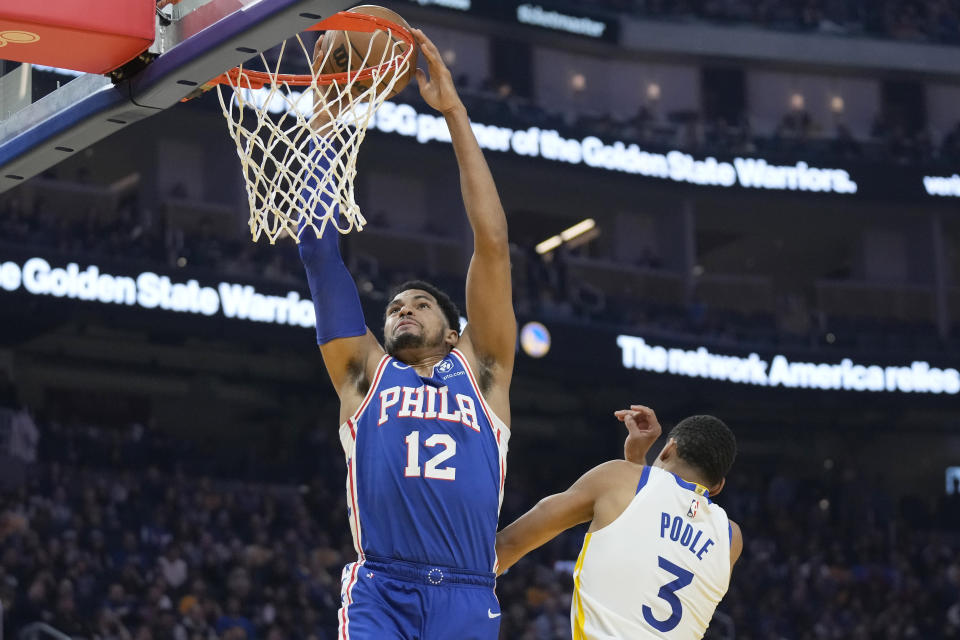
578	631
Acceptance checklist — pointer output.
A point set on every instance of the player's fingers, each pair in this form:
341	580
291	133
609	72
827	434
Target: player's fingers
434	59
646	413
426	45
421	77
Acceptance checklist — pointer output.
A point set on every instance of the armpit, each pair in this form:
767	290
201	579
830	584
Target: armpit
485	369
358	374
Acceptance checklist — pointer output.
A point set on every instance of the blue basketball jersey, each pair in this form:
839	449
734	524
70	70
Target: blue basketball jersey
426	461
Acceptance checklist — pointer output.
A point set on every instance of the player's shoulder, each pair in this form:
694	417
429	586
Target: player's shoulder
618	466
614	472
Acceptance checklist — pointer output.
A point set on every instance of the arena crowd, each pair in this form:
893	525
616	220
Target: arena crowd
125	533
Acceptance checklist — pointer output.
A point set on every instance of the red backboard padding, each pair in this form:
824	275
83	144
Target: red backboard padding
96	36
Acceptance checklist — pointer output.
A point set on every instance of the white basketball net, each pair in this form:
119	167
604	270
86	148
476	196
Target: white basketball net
278	132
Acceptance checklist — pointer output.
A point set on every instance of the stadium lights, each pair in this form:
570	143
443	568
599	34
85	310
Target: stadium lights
578	229
566	235
549	245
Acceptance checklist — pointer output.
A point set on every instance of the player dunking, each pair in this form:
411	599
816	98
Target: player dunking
424	422
658	555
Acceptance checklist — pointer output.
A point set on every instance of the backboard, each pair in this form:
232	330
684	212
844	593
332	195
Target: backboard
196	41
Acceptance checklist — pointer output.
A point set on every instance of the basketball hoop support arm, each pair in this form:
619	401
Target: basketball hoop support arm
204	44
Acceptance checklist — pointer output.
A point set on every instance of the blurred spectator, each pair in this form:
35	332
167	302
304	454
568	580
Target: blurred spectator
172	567
950	149
844	145
23	436
233	624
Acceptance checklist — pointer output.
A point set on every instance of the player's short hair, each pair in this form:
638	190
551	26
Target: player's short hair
708	444
447	306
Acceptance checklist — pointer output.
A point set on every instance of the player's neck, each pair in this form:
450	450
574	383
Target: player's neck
686	474
423	361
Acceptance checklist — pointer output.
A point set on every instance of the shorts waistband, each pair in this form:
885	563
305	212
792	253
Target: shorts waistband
430	574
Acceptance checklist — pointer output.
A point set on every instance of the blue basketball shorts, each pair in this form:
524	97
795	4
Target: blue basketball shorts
385	599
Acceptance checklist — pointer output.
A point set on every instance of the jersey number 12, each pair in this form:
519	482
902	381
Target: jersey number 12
432	468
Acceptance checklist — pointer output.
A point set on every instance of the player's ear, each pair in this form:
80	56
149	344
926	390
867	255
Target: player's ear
452	338
717	488
669	450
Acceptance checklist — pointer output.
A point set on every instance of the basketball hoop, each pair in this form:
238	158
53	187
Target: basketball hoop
330	117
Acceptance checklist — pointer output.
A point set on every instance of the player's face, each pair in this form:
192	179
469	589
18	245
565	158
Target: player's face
413	321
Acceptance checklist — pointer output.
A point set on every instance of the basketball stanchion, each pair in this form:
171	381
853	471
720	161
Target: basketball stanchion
366	56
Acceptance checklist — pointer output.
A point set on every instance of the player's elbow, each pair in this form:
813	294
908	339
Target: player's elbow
493	240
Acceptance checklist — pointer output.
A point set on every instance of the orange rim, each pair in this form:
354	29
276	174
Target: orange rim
342	21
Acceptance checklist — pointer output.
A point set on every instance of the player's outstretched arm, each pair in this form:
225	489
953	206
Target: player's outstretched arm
349	349
643	429
555	514
492	332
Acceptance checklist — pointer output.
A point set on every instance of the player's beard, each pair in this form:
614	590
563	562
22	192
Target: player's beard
407	341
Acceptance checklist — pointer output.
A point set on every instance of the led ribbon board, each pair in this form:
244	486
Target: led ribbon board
149	290
533	142
779	371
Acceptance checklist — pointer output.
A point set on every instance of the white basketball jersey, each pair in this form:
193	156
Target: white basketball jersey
658	570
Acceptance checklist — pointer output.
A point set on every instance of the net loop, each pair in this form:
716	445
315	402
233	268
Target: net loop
280	131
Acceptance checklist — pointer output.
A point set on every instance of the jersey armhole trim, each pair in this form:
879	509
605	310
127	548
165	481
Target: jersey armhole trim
730	528
476	387
644	477
370	392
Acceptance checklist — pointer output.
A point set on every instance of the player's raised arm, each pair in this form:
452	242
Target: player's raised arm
555	514
349	349
492	332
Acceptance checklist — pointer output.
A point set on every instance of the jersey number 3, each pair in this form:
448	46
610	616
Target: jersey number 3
668	592
432	468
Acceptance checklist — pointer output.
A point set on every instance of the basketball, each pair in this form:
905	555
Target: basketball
348	49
